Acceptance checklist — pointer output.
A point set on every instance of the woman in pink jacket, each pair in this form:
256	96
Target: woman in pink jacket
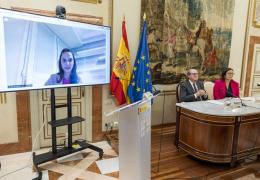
226	86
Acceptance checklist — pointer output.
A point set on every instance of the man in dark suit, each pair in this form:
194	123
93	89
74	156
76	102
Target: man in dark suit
192	89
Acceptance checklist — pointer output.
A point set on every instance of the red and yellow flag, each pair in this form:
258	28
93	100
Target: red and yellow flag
122	70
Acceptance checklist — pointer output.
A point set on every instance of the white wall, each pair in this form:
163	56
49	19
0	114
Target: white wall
131	9
238	37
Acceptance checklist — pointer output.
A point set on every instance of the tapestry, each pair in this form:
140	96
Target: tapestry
184	34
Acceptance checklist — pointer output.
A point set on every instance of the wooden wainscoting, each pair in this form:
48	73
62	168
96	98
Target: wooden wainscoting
97	133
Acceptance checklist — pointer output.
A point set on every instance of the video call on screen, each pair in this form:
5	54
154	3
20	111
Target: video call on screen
33	46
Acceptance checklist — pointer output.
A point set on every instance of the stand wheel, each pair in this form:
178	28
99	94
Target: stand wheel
101	155
258	156
233	164
39	176
37	168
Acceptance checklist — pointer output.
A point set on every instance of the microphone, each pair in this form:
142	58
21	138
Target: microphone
234	96
155	91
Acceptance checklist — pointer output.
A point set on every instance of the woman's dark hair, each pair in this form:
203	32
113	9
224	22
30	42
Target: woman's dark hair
224	72
73	74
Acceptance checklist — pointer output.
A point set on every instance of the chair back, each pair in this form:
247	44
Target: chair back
178	90
208	85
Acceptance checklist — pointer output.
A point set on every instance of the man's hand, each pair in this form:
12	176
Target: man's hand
200	92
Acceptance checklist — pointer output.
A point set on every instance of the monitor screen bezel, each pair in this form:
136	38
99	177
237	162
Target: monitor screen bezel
36	15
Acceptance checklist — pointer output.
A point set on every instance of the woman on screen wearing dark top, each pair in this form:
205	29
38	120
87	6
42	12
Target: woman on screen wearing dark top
67	70
226	86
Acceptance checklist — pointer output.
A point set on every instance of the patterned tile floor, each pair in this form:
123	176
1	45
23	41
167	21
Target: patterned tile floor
173	164
85	168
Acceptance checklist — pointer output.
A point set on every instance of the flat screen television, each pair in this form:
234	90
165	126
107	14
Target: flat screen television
38	52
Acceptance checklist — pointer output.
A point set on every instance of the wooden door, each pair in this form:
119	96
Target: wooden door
15	123
78	109
253	68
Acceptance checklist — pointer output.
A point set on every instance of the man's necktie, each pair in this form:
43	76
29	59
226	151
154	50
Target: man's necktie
196	90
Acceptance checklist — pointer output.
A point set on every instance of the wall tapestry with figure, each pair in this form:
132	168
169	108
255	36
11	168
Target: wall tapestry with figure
184	34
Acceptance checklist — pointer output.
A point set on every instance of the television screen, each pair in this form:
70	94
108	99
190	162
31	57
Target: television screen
38	52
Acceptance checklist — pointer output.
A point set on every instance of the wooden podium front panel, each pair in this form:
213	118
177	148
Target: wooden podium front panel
207	139
221	139
249	134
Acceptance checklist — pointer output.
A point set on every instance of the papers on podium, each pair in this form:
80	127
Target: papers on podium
217	102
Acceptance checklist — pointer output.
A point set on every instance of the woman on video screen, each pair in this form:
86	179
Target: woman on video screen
67	70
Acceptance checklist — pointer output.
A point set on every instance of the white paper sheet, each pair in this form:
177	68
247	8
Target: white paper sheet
108	165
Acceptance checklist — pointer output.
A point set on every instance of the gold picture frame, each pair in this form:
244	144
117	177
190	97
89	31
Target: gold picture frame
256	15
89	1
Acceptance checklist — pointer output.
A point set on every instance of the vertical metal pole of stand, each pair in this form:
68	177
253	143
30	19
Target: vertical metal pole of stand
69	105
53	118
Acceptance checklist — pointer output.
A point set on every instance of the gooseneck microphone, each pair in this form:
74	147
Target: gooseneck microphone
155	91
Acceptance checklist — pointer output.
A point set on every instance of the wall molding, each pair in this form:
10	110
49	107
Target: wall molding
252	42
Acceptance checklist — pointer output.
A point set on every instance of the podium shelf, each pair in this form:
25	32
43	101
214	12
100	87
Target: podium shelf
66	121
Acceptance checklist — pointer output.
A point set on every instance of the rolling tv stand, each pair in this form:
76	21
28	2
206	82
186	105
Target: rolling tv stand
72	147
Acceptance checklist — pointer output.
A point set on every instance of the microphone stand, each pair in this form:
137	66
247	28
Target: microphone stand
234	96
161	135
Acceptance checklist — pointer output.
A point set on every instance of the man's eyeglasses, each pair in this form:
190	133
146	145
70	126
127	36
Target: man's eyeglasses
194	74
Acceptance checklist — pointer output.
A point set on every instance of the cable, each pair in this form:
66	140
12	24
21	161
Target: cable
251	106
38	133
161	135
14	171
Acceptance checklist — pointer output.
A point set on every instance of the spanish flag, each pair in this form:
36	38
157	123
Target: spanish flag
122	70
